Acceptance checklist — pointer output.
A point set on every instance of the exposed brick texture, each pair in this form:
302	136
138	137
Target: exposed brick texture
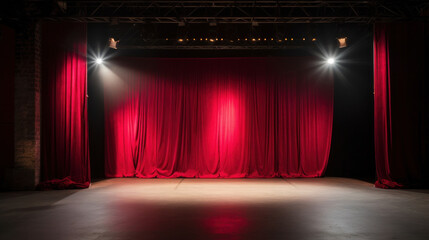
25	173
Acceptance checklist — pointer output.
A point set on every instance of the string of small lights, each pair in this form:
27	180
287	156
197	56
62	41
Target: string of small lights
205	39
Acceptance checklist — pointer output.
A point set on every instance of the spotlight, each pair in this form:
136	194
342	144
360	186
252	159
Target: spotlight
99	61
330	61
112	43
342	42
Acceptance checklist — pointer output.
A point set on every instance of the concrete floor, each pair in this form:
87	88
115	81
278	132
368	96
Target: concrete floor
323	208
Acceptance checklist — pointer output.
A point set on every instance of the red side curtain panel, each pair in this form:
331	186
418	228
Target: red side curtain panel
64	133
400	108
216	117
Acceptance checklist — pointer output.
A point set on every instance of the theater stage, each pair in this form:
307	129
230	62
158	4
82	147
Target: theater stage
128	208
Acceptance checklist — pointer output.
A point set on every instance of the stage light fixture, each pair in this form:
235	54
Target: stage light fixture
342	42
330	61
113	43
99	61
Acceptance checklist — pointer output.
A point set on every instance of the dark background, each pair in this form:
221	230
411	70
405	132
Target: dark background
352	147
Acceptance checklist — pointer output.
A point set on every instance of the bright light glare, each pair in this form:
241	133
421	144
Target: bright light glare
330	61
99	61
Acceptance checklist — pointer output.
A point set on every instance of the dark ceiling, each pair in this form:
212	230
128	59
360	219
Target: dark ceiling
220	11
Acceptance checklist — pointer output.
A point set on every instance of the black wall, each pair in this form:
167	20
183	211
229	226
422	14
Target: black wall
352	149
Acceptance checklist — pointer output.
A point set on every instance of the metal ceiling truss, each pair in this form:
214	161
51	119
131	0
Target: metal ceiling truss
222	11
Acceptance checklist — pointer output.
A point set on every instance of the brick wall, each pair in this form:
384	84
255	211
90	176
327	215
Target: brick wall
25	173
7	77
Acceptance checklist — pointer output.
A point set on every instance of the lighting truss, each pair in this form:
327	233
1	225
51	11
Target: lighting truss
220	11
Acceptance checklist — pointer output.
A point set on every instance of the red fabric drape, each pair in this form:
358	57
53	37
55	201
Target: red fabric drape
399	106
64	133
225	117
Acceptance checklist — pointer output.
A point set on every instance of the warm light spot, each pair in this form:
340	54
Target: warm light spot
342	42
180	40
228	117
314	39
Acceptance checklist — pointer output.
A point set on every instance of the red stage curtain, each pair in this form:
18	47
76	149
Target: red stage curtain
222	117
64	133
399	106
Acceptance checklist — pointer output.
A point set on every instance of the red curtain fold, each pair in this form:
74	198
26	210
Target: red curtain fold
399	104
64	133
221	117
